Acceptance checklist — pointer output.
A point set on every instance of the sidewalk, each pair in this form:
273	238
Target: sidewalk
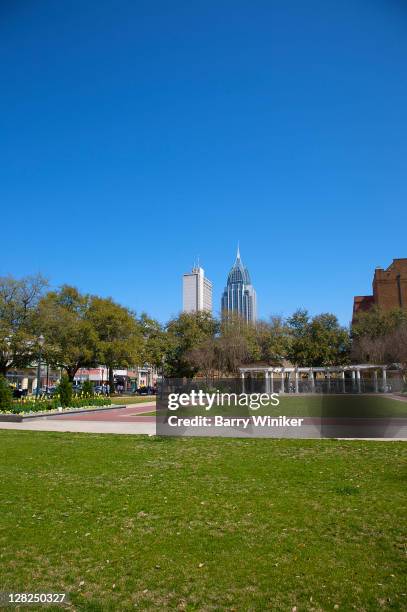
128	420
104	427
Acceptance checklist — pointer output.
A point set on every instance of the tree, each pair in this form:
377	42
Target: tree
273	340
71	341
236	344
186	332
380	336
18	333
156	342
205	357
119	337
65	391
319	341
87	388
6	395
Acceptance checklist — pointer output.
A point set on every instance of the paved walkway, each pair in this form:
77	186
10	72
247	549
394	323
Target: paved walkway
131	414
130	420
400	398
127	420
101	427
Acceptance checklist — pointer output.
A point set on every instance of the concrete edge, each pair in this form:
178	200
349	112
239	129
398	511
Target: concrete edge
21	418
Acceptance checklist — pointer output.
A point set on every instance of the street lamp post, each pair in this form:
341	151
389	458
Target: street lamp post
41	341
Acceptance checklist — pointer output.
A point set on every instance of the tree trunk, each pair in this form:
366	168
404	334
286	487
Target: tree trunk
71	371
111	379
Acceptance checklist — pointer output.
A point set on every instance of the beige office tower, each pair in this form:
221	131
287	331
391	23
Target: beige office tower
197	291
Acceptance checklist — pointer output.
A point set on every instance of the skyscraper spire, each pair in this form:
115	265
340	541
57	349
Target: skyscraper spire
239	295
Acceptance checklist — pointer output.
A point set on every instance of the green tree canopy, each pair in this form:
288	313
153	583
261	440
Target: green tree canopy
317	341
186	332
273	340
18	333
156	341
119	337
65	391
6	395
71	341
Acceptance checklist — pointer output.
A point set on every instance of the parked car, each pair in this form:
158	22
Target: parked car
144	390
101	389
47	391
18	393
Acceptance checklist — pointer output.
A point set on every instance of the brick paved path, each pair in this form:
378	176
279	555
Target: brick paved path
129	414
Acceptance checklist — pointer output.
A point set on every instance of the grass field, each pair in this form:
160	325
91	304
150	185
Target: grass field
317	405
204	524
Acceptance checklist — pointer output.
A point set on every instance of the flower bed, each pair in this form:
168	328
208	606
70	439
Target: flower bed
29	406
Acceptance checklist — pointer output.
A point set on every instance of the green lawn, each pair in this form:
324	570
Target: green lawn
204	524
317	405
132	399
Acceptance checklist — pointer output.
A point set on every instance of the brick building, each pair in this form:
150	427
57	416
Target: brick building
389	289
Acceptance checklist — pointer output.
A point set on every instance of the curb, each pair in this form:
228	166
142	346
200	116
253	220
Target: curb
20	418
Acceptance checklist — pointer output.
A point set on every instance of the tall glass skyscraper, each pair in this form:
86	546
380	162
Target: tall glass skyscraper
239	295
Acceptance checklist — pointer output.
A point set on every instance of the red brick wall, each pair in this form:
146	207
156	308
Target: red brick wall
389	289
390	286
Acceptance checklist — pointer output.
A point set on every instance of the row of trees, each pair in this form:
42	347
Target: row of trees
79	330
212	346
82	330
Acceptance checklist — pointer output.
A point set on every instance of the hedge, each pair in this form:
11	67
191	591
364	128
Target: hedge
43	405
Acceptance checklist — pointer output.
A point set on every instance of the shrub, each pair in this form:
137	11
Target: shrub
25	406
87	389
65	392
6	395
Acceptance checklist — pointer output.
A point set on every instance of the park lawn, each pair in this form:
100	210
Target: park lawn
132	399
204	524
316	405
368	406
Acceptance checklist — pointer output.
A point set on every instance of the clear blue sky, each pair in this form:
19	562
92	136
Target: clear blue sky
138	135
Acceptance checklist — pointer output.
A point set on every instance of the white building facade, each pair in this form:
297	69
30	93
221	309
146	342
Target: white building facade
196	291
141	376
